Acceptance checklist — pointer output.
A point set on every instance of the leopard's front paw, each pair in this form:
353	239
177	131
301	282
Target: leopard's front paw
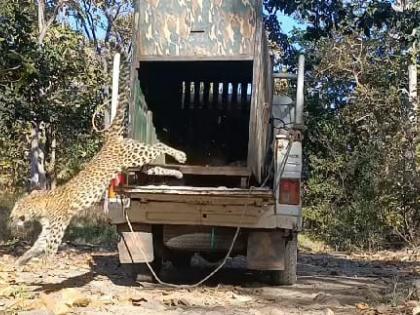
181	157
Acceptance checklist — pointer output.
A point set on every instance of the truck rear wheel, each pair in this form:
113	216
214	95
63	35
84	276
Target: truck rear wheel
288	275
180	260
141	273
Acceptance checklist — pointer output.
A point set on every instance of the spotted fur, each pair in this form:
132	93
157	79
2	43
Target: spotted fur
161	171
55	208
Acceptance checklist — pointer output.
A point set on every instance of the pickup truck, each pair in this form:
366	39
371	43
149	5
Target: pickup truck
202	81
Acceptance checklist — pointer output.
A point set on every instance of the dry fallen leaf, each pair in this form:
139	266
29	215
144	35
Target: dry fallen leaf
241	298
137	302
70	295
81	302
6	291
61	302
362	306
176	302
326	299
184	302
53	304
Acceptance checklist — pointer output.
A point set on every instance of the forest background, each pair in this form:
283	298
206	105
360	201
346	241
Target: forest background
361	141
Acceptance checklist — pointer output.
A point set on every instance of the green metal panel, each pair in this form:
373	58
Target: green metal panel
196	29
142	124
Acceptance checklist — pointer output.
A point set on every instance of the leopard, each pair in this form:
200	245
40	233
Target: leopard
161	171
55	208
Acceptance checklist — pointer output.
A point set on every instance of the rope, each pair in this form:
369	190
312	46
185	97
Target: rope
186	286
235	236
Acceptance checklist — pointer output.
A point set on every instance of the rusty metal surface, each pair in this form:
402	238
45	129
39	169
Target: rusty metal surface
129	247
196	28
266	250
182	212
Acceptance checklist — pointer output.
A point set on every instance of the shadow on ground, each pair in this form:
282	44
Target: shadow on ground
322	278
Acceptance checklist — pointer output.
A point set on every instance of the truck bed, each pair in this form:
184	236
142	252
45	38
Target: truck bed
154	191
196	176
217	206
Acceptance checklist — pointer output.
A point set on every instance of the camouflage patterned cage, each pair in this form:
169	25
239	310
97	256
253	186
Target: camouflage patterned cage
202	43
198	29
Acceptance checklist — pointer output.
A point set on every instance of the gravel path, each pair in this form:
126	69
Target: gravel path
91	282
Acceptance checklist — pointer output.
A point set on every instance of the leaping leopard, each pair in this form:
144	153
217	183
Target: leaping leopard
55	208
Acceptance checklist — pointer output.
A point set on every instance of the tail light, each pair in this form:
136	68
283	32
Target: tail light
119	180
289	192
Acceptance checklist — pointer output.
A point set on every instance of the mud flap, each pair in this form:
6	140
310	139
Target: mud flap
129	247
265	250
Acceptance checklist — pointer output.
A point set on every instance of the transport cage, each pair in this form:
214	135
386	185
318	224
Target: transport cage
201	107
201	82
205	29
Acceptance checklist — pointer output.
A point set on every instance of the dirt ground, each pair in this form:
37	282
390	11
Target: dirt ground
90	281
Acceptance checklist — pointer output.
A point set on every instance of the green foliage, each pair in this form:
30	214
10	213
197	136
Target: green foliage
362	185
6	203
56	85
361	191
92	231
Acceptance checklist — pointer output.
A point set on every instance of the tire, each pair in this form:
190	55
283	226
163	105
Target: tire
288	275
181	260
140	272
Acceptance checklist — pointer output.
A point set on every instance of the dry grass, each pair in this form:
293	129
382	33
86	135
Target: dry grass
308	244
92	227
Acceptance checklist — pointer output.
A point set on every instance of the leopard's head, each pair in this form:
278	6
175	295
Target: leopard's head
26	209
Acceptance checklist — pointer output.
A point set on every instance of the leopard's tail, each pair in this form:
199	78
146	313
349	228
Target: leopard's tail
117	126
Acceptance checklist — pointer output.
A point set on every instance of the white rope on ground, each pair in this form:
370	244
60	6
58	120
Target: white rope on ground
238	228
186	286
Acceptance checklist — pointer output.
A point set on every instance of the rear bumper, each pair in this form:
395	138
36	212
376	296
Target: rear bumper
248	208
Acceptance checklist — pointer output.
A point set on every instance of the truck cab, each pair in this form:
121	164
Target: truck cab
202	82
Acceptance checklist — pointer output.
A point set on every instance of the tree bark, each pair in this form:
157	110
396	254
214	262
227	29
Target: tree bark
38	176
41	15
38	179
43	23
52	153
412	91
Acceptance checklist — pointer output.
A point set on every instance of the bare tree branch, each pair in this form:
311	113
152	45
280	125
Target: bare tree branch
43	24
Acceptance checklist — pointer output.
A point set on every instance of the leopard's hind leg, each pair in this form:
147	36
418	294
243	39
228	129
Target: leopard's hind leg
48	241
56	233
38	248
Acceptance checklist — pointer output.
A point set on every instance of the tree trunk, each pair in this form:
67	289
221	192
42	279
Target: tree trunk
52	177
38	176
41	15
412	92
